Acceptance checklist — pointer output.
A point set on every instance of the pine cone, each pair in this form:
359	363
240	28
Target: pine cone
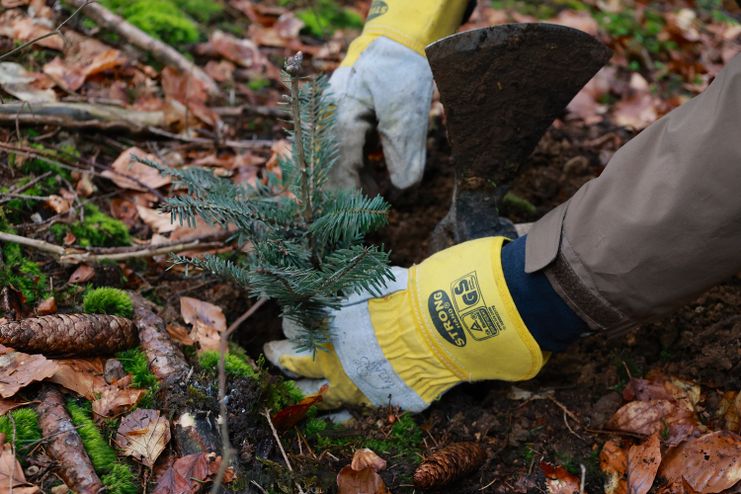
448	464
70	334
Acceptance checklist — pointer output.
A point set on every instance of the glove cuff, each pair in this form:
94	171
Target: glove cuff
463	325
412	23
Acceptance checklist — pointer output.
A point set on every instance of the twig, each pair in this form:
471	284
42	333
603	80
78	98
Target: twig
159	50
233	327
226	446
259	487
11	195
293	66
266	413
76	256
27	185
255	143
56	31
583	478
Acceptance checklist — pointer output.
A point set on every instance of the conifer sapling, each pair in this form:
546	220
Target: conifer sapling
305	241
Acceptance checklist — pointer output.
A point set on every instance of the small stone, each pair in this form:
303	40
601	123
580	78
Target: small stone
113	371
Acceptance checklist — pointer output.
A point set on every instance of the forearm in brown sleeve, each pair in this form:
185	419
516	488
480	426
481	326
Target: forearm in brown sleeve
662	222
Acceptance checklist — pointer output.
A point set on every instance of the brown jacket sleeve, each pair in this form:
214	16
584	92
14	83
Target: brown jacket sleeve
661	224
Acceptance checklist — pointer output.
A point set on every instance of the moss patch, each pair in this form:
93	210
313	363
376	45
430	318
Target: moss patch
162	19
135	362
233	364
96	230
107	300
22	273
24	428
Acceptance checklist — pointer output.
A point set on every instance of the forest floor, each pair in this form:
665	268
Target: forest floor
676	379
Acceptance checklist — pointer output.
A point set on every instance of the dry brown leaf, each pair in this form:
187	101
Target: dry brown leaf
243	52
82	274
220	71
143	435
730	410
648	417
577	19
709	463
367	458
643	463
638	109
558	480
58	204
124	169
16	25
614	463
7	405
208	321
84	186
46	307
26	86
83	376
187	474
180	334
12	478
190	91
124	210
159	222
365	481
18	370
114	401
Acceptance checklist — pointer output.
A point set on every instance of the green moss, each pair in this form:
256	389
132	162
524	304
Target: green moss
21	273
201	10
161	19
27	431
405	438
233	364
116	476
120	480
515	202
136	363
326	16
107	300
99	230
282	394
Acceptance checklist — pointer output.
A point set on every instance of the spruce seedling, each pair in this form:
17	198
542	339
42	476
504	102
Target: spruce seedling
305	240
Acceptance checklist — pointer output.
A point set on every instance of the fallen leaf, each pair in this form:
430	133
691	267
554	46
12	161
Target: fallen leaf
643	463
114	401
180	334
124	169
709	463
365	481
16	25
367	458
190	91
46	307
577	19
220	71
143	435
12	478
293	414
663	416
124	210
18	370
7	405
57	204
558	480
187	474
614	463
730	410
84	186
208	321
82	274
24	85
242	51
159	222
83	376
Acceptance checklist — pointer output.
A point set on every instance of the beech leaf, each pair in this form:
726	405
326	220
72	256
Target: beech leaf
643	463
143	435
18	370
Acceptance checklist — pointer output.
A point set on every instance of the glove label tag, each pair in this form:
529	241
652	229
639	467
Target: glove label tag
466	312
377	9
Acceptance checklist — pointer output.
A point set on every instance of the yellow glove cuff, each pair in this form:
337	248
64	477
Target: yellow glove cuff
326	365
413	23
463	324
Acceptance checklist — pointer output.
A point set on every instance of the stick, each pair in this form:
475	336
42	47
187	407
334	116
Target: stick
266	413
75	256
159	50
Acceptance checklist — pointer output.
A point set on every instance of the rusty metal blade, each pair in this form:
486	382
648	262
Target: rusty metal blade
501	88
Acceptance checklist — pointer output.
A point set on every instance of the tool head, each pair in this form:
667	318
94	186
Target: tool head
501	88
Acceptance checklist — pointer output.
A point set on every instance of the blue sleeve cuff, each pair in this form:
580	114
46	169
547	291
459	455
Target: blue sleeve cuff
551	322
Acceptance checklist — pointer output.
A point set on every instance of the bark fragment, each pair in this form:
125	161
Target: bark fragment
448	464
64	443
69	334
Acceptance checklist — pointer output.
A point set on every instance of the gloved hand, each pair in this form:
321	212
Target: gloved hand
447	320
385	80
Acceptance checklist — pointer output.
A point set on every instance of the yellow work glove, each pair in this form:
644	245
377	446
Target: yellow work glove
447	320
386	82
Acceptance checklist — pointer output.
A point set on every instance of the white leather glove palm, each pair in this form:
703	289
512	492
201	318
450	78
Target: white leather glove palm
392	85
